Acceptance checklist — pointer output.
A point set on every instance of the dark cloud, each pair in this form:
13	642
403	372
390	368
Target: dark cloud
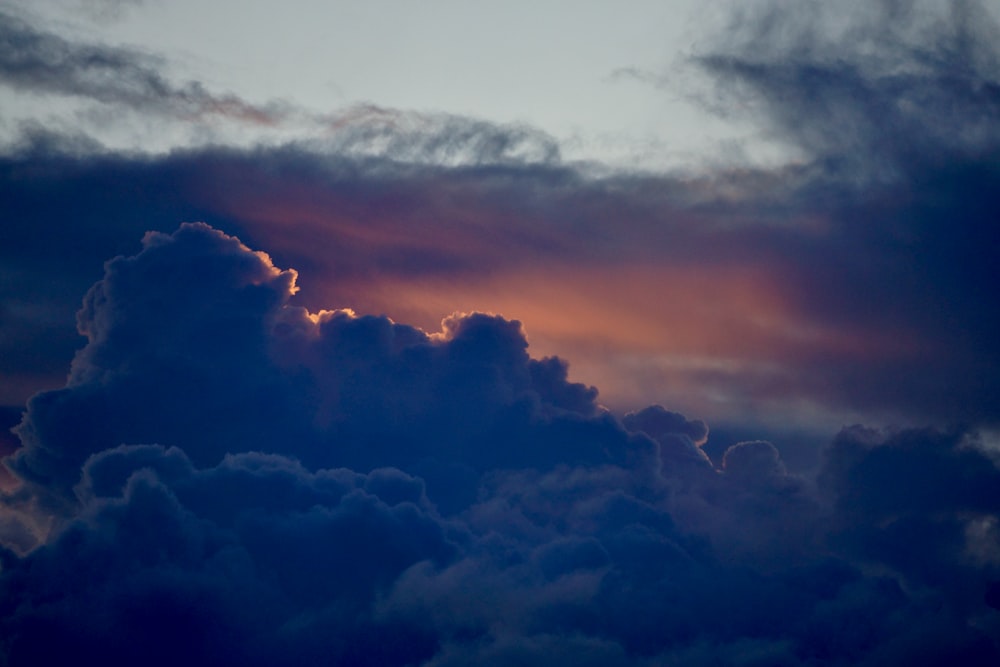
889	88
881	309
193	343
231	475
893	109
945	496
872	301
229	478
857	282
178	572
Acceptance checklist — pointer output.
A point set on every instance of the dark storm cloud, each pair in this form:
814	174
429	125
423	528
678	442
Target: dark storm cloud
35	60
181	342
228	478
879	299
861	279
945	492
894	111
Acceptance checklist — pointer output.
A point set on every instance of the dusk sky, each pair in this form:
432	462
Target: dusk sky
465	333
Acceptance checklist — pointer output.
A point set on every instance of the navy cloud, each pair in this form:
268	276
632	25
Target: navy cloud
193	343
881	237
231	564
228	478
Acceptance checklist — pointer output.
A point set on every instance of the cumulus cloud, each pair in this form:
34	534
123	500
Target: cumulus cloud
795	290
193	343
230	478
246	463
856	283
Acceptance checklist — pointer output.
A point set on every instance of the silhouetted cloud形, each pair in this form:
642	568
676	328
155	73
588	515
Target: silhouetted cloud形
387	460
275	485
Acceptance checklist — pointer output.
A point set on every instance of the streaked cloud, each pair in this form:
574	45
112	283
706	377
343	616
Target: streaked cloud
38	61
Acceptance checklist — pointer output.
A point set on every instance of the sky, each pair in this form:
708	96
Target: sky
444	333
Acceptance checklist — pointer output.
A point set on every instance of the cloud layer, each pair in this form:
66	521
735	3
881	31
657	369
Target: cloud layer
229	478
239	469
854	284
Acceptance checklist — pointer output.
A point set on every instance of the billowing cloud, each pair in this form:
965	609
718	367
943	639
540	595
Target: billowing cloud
228	477
854	284
198	317
239	468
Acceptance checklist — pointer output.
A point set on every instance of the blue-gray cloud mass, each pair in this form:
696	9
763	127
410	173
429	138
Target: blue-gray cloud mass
227	478
239	469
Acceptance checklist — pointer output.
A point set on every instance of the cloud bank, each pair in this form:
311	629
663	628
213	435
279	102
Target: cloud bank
230	478
240	469
854	284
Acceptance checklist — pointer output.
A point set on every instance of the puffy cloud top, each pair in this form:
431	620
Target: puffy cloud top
228	478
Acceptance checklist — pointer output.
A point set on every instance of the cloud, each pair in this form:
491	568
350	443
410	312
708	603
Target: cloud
895	86
891	109
123	80
39	61
157	561
435	138
230	463
193	343
275	485
943	492
853	285
717	294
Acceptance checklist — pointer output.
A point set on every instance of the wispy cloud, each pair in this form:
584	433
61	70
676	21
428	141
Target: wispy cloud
36	60
897	87
432	138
